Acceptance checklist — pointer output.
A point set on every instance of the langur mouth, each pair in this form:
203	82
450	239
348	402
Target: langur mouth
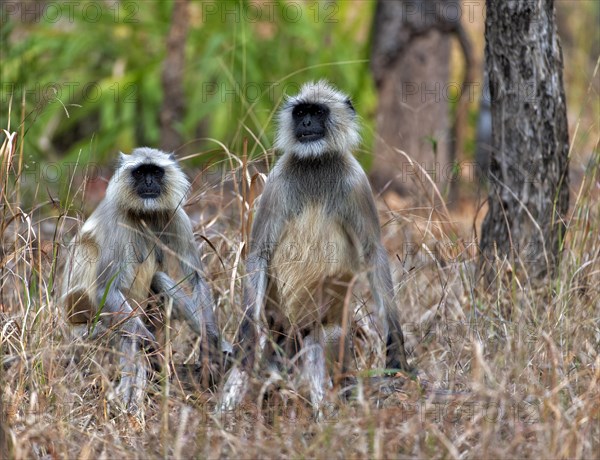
309	137
149	195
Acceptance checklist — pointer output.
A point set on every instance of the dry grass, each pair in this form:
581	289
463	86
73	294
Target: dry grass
510	371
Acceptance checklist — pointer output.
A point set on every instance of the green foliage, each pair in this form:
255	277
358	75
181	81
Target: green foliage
89	73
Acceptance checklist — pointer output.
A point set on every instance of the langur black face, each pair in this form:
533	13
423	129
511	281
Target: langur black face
310	121
148	180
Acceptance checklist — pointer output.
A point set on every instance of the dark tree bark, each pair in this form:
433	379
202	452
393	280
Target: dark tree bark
173	106
410	63
529	194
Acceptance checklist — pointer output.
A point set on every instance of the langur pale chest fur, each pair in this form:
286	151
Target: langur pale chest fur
312	266
136	258
142	278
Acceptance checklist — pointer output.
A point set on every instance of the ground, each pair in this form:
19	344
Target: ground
504	370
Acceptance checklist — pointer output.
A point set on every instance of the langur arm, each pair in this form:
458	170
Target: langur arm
189	308
268	224
382	288
266	229
361	217
197	309
115	312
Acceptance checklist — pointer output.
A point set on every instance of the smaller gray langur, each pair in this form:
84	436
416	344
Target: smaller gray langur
316	227
121	257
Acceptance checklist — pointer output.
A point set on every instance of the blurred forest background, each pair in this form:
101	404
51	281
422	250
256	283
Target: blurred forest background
85	80
92	86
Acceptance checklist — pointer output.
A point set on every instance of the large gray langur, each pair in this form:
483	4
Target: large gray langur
121	255
315	228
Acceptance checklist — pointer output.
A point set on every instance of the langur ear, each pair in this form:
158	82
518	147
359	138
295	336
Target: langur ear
350	105
122	159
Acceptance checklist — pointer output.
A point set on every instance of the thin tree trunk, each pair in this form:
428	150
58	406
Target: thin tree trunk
410	58
413	116
528	173
173	107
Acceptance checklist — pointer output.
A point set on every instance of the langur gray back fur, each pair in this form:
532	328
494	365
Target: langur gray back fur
315	228
121	257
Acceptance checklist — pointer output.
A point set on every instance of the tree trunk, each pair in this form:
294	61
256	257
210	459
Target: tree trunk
528	173
173	107
410	63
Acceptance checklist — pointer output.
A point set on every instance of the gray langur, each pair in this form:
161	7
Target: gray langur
121	257
315	228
